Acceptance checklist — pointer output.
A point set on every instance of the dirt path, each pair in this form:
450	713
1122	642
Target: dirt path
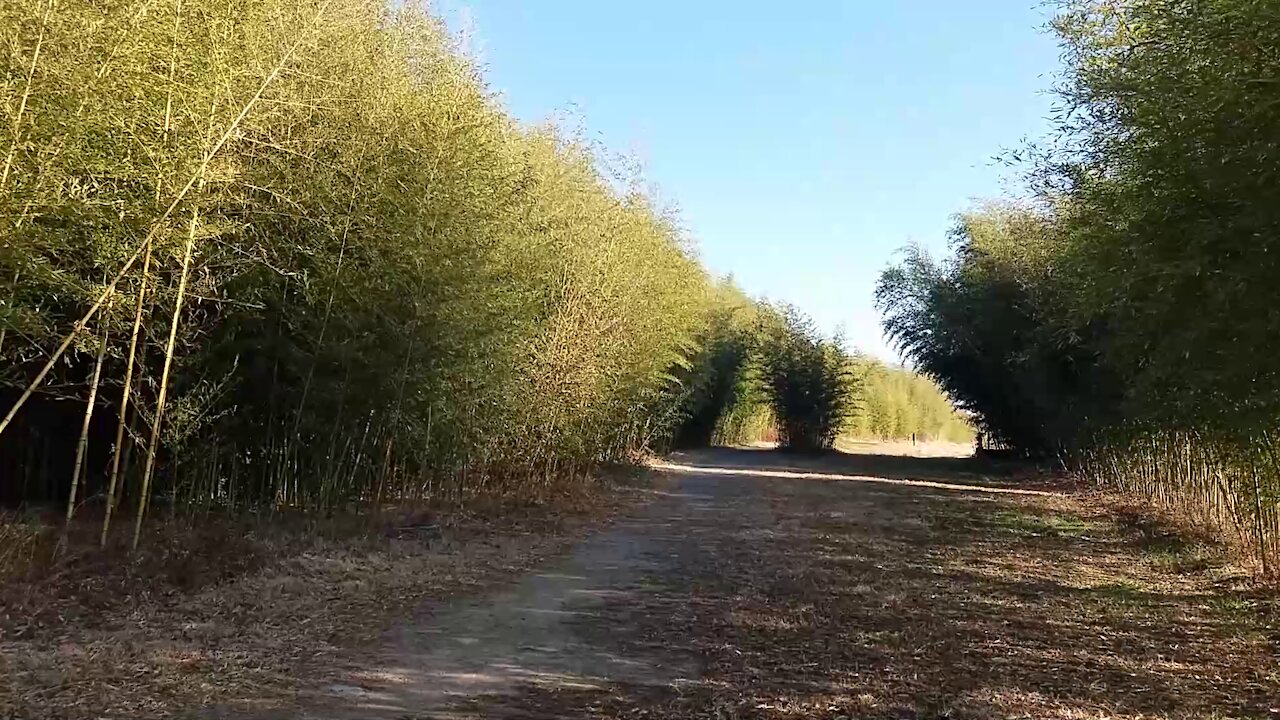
863	586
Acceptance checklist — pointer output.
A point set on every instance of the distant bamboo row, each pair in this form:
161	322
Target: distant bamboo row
766	373
894	403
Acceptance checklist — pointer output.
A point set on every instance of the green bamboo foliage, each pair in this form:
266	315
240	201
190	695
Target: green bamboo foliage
894	403
336	273
764	374
1122	319
721	385
808	380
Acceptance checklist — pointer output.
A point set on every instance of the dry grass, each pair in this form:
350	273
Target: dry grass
240	611
792	598
873	600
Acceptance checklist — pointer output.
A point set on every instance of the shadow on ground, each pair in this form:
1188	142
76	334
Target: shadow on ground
749	595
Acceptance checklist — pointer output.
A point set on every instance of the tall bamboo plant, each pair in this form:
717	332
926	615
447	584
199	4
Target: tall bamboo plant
315	211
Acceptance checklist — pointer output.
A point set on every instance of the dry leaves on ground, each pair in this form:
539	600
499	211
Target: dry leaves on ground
215	611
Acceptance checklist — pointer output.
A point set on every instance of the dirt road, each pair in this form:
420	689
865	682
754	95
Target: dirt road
757	585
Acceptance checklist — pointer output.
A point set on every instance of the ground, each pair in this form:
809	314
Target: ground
759	585
754	584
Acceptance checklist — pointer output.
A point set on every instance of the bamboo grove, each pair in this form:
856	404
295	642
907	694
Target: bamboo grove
1122	315
294	254
765	373
894	403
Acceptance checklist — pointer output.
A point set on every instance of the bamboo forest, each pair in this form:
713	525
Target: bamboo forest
334	385
1118	315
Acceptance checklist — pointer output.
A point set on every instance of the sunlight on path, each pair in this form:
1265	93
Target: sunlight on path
792	475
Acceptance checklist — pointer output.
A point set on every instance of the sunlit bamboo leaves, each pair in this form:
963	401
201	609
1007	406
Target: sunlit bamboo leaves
339	273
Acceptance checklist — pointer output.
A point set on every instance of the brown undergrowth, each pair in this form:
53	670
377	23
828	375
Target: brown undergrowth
243	610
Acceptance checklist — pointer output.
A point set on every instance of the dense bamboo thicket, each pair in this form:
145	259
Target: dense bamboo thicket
774	368
764	373
293	253
808	380
1123	316
767	374
721	378
894	403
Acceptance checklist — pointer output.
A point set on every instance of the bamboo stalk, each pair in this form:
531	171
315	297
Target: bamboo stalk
83	444
1258	520
173	64
279	454
26	95
156	426
124	398
395	421
324	323
17	277
332	457
382	479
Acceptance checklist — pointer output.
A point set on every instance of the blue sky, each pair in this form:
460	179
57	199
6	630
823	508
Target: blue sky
804	143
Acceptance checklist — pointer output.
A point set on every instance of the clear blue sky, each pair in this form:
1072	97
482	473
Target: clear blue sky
803	142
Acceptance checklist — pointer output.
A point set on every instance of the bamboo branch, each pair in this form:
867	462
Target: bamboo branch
26	94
